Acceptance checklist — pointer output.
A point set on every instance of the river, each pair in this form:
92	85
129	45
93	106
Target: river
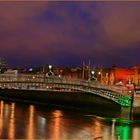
27	121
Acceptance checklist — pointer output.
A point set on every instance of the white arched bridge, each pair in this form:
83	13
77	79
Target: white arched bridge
40	82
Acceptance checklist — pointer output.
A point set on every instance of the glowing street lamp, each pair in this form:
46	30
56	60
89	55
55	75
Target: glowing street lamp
92	75
50	67
100	73
50	73
92	72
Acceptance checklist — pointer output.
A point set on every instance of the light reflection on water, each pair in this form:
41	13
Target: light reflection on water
30	124
1	116
19	121
11	131
56	125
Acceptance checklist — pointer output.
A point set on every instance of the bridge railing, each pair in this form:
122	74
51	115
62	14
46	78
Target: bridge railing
55	79
63	82
87	83
22	77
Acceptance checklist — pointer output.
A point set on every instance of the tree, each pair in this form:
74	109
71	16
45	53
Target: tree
3	65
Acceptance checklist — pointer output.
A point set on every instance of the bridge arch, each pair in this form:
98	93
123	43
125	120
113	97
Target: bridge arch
37	82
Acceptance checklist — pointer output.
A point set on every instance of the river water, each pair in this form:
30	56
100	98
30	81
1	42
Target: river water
27	121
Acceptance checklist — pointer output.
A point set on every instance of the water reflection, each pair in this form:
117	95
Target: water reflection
32	122
136	133
11	131
97	130
113	129
123	132
56	129
1	116
41	126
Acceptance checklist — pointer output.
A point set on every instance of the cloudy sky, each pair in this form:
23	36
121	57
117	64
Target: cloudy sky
66	33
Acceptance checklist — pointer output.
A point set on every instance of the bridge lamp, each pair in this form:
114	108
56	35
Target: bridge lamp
92	72
92	75
99	73
50	67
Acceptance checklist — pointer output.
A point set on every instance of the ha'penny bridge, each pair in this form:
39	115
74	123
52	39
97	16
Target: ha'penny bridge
40	82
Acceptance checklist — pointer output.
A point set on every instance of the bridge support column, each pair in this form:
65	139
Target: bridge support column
127	113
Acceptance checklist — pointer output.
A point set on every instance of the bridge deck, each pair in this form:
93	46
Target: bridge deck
40	82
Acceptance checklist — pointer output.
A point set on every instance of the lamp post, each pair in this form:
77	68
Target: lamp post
100	73
50	73
92	72
92	75
50	68
131	108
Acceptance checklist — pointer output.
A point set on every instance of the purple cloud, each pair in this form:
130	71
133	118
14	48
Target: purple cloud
46	31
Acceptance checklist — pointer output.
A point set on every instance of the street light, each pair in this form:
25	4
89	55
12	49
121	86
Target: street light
100	73
50	73
92	75
92	72
50	67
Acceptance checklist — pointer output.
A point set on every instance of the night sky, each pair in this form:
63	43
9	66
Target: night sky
68	33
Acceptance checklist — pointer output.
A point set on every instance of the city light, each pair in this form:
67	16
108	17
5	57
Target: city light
50	67
92	72
99	73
